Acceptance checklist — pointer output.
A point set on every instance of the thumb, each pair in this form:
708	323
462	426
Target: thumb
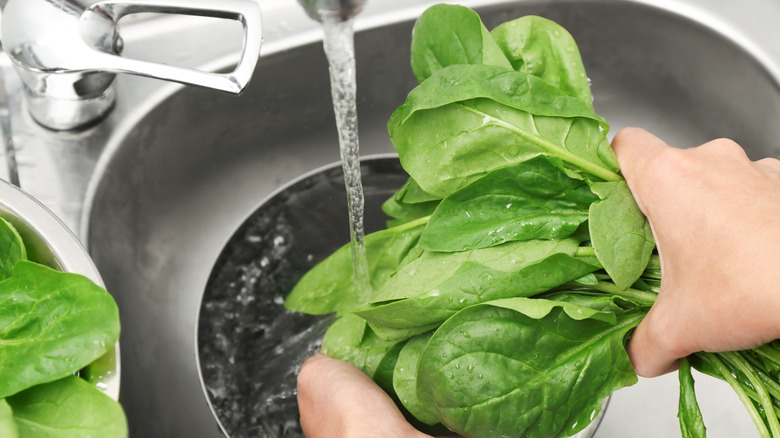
636	149
335	399
648	357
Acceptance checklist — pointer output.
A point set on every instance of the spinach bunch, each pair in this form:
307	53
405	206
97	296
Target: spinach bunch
517	262
52	325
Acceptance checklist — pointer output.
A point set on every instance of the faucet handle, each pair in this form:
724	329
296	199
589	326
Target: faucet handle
65	53
246	12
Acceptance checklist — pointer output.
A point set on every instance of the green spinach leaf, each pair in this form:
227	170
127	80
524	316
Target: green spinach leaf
328	287
543	48
412	193
691	422
533	199
437	285
466	120
431	268
406	212
399	334
8	427
11	249
620	233
526	367
349	339
67	408
449	34
405	379
51	324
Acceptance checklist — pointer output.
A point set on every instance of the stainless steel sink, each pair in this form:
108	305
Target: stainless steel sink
175	171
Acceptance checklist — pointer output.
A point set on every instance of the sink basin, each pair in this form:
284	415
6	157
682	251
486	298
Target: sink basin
190	165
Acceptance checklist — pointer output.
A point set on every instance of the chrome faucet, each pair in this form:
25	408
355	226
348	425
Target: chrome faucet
341	10
67	53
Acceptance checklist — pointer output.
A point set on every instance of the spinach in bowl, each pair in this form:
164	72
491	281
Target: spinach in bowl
53	325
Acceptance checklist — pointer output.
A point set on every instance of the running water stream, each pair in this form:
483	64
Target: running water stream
340	50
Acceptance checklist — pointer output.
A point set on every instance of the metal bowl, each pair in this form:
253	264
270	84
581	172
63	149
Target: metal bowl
49	242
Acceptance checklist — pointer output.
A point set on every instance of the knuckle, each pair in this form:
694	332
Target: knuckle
769	163
723	147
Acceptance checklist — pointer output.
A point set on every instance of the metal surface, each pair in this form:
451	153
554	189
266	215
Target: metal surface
341	10
175	171
66	53
49	241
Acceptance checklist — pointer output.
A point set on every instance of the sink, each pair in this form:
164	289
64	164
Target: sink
186	167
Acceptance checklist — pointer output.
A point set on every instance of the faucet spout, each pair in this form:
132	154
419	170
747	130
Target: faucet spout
340	10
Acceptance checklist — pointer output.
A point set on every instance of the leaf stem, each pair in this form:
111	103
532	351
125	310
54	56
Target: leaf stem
743	396
411	224
752	394
637	296
769	352
653	264
737	361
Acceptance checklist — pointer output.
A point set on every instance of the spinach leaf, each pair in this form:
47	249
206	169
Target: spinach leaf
466	120
412	193
51	324
620	233
524	367
383	376
328	287
344	337
592	299
436	286
398	334
543	48
11	249
449	34
431	268
8	427
404	212
405	379
349	339
533	199
67	408
691	422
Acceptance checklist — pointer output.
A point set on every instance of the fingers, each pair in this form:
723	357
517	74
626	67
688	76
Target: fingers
335	399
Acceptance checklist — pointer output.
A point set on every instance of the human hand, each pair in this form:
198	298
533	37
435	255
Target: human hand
715	217
336	399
